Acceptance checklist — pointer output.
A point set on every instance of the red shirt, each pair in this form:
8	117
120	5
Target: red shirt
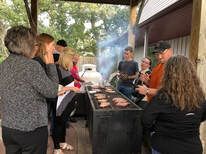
75	73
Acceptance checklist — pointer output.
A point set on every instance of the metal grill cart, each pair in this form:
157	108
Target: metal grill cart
114	130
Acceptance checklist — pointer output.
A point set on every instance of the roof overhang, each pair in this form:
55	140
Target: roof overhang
113	2
176	22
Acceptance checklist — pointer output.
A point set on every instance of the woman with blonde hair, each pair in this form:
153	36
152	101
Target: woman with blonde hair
60	121
175	113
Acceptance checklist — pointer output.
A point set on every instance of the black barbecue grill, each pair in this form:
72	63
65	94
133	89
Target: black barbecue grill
113	129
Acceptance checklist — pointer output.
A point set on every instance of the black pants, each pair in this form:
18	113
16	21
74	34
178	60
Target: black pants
59	123
20	142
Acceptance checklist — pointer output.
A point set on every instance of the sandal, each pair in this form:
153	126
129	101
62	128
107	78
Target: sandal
58	151
66	146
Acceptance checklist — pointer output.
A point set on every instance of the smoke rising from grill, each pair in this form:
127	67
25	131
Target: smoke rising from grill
108	56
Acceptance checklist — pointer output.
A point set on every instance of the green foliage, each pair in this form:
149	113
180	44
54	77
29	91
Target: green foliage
82	25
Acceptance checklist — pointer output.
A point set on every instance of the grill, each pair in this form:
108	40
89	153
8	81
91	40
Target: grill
113	129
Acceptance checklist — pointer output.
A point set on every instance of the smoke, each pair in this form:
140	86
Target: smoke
108	56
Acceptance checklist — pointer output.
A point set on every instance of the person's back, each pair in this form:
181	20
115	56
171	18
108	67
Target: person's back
176	111
21	79
178	128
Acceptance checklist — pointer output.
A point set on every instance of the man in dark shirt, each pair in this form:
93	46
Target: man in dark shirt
128	71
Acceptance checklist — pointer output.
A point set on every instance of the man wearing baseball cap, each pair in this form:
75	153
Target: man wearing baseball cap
163	52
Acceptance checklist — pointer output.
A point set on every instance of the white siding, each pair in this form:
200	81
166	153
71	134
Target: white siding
180	45
139	54
152	7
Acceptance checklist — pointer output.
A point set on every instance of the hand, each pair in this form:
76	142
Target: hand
61	92
142	89
48	57
144	77
75	89
123	76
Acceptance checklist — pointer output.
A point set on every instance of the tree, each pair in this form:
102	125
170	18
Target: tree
82	25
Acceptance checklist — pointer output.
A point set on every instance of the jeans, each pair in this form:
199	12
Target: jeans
126	90
155	152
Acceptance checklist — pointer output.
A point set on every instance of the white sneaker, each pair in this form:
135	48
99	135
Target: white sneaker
58	151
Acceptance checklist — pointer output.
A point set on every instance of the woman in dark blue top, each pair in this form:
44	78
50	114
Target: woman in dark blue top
175	113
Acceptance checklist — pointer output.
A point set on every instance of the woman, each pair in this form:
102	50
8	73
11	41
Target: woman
143	77
24	86
75	71
46	44
175	113
60	121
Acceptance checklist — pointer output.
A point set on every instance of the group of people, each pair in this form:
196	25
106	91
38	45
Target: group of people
172	98
33	76
31	79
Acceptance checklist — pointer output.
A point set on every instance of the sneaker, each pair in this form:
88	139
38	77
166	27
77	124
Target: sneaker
58	151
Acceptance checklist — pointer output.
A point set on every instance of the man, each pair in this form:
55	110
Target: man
128	71
60	45
163	52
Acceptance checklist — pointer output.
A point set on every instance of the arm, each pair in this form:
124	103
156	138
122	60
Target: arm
144	90
65	89
76	75
51	72
152	112
38	79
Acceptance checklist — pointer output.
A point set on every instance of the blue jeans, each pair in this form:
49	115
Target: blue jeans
126	90
155	152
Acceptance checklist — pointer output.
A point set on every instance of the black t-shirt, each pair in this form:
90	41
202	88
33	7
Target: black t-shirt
129	68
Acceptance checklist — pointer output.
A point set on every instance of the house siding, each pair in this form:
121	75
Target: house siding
153	7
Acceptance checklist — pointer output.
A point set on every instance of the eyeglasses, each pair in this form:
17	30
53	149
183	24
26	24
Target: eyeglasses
146	62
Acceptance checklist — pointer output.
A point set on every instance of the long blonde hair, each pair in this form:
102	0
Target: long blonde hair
181	83
65	58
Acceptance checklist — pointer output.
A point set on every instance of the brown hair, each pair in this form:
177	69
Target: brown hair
182	84
43	39
20	40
